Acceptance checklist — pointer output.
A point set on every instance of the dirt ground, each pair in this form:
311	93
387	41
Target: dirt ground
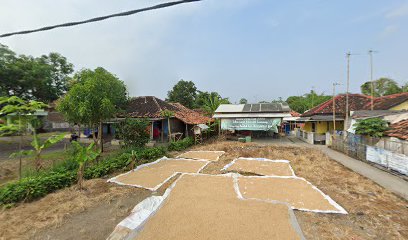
374	212
71	214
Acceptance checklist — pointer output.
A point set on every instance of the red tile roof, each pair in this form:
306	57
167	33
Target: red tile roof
152	107
389	101
294	114
399	130
356	102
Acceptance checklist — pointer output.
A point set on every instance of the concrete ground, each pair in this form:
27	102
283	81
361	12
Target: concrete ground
387	180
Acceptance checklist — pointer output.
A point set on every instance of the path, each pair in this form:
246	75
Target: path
391	182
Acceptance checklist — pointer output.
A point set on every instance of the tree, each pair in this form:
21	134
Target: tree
133	132
22	110
373	127
382	87
303	103
82	155
42	78
94	97
243	101
38	148
212	102
183	92
405	87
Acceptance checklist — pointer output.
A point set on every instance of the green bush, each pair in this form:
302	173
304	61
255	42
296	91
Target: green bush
373	127
133	132
182	144
65	174
31	188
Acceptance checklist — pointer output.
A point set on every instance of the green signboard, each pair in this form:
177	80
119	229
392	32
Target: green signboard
254	124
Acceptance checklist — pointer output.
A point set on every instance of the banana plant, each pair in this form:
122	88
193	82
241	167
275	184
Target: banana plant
38	147
82	155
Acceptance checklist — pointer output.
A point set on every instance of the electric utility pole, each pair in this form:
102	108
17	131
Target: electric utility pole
348	90
370	52
334	108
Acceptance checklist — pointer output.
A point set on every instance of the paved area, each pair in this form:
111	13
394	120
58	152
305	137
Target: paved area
391	182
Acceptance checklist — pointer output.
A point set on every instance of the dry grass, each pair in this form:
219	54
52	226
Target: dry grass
25	220
374	212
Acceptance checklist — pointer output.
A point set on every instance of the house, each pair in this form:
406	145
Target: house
320	121
54	120
152	108
396	102
262	119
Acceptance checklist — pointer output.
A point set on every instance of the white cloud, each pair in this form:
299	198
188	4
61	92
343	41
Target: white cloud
400	11
389	30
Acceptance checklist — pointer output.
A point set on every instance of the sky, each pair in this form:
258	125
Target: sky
255	49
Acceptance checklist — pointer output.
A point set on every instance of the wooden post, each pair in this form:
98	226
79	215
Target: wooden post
162	130
151	130
169	128
186	130
101	135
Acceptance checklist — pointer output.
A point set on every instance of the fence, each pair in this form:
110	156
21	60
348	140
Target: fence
389	154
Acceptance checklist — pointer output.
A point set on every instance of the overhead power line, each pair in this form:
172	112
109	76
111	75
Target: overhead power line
97	19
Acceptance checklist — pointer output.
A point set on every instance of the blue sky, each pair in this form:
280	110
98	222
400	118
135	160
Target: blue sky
256	49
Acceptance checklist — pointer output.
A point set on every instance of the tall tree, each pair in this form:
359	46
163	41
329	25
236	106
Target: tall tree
243	101
22	110
94	97
405	87
382	87
212	102
42	78
183	92
301	104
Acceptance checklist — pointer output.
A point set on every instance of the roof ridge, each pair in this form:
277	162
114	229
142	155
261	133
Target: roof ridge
157	104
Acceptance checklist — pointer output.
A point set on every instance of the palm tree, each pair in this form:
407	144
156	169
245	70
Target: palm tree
213	102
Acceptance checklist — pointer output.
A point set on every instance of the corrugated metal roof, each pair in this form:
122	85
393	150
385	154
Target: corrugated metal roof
225	108
253	108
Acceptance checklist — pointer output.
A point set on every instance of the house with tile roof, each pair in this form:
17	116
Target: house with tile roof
396	102
149	107
320	121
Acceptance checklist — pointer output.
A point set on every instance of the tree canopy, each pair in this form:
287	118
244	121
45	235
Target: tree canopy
373	127
95	95
43	78
183	92
243	101
303	103
382	87
212	102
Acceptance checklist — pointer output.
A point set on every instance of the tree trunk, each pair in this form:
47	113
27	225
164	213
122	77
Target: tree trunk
20	143
133	162
100	135
80	176
38	164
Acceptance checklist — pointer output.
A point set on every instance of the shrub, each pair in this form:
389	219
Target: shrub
182	144
65	174
30	188
133	132
373	127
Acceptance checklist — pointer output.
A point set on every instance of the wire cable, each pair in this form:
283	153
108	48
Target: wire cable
97	19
